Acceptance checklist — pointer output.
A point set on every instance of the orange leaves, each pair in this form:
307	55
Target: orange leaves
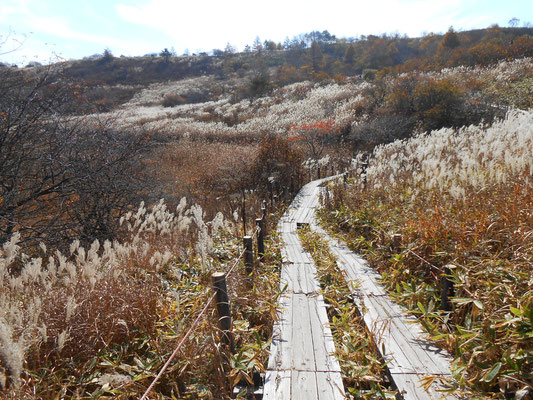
321	128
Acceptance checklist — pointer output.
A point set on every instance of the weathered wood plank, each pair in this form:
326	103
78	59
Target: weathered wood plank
304	385
301	363
295	254
299	278
398	336
280	349
329	385
303	355
329	342
290	238
323	344
412	389
277	385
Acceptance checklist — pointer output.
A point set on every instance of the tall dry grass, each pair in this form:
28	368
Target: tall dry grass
58	312
462	202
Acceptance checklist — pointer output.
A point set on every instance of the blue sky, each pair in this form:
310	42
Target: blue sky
77	28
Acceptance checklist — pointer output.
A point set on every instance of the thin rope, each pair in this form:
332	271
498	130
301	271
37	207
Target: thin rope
178	347
163	369
426	261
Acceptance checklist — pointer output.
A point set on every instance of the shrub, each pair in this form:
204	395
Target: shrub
384	128
172	100
279	160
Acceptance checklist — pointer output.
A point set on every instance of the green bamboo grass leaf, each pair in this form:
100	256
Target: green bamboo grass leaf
491	374
462	300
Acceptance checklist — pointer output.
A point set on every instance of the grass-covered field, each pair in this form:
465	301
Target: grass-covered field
462	202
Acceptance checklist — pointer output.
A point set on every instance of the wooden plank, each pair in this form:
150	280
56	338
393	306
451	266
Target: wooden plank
290	238
330	386
280	349
295	254
299	278
303	385
277	385
360	277
328	336
323	344
303	355
413	390
312	283
399	337
301	363
435	360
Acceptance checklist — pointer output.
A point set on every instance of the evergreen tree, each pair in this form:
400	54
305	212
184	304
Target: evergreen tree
450	39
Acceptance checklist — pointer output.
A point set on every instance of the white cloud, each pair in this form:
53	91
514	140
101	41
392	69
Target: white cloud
210	23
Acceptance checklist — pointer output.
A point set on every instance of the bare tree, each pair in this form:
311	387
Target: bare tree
60	177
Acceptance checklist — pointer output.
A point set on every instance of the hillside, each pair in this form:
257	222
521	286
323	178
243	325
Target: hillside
315	56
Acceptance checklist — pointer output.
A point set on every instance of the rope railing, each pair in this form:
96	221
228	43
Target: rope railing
195	323
440	270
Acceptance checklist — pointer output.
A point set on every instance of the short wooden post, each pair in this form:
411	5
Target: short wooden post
396	241
271	190
318	172
264	217
345	178
248	255
292	185
223	309
364	166
244	212
447	289
260	239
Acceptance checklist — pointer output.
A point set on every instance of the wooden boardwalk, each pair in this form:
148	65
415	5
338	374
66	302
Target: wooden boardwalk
301	364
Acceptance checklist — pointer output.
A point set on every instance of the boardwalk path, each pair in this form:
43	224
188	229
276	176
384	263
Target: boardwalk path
301	363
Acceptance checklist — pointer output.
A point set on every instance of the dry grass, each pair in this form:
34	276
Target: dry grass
102	322
464	214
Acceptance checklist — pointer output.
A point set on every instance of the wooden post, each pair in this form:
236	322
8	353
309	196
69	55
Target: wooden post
318	172
446	290
260	239
396	241
345	178
292	185
223	310
264	217
248	256
271	190
243	212
364	167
